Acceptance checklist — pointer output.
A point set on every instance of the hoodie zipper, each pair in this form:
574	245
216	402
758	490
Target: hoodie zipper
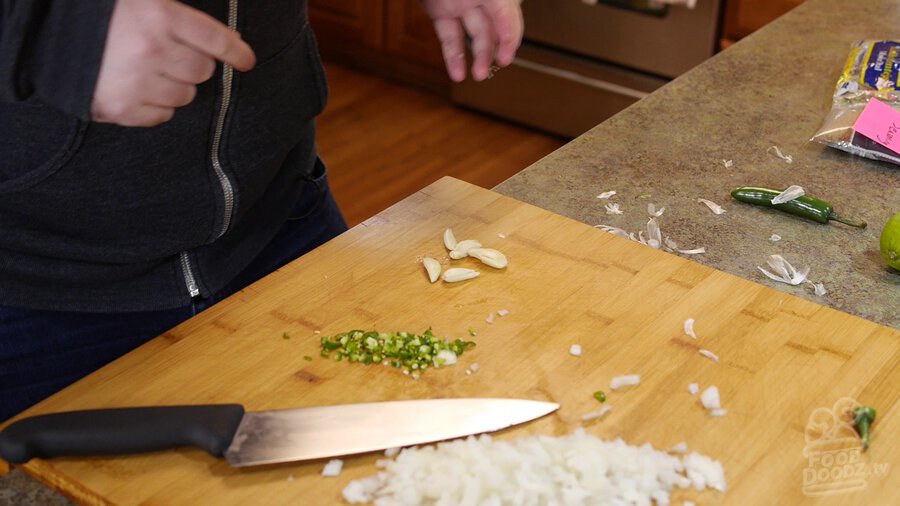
190	279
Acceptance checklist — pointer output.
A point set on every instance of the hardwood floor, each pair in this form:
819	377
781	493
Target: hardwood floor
383	141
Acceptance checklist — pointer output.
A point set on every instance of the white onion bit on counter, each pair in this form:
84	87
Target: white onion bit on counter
490	318
710	398
689	328
710	355
333	468
693	388
775	238
790	193
502	312
577	469
728	163
624	381
681	448
575	350
612	208
596	414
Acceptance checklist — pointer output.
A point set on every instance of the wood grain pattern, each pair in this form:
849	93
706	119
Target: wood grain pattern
382	141
782	357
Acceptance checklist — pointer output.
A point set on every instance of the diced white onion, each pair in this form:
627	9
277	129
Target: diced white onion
710	470
624	381
444	358
596	414
574	469
333	468
503	312
681	448
710	398
693	388
718	412
606	195
575	350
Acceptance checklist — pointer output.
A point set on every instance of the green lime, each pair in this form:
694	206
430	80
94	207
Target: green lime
890	241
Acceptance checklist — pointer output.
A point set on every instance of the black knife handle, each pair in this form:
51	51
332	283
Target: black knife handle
121	430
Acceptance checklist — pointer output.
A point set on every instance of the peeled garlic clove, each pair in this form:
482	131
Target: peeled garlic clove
459	274
433	267
462	248
489	257
449	240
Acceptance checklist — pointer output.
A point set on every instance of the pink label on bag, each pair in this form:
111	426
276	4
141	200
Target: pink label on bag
881	123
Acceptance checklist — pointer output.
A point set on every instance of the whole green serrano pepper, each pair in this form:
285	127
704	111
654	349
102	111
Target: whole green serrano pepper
804	206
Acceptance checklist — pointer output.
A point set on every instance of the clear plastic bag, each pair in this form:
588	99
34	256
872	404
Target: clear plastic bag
871	72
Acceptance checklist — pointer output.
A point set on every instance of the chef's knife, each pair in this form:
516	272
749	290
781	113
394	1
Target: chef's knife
263	437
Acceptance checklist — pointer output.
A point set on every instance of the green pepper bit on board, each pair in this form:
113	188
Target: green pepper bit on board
863	418
600	395
408	350
803	206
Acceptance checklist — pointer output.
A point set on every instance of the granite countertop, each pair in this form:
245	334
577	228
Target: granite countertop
772	88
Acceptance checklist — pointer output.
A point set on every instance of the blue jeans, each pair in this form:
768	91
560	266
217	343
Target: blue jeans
42	352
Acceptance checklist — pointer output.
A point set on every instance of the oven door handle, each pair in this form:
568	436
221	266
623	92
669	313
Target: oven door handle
578	78
690	4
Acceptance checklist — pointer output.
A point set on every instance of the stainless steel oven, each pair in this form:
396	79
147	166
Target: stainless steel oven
582	61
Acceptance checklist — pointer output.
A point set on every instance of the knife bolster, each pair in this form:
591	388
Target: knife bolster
121	431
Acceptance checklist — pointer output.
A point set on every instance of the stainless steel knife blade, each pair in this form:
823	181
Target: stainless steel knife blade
310	433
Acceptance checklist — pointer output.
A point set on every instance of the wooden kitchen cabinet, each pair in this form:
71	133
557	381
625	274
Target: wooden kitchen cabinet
390	38
743	17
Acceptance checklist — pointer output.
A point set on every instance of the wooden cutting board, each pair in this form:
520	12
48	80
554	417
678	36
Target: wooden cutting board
567	283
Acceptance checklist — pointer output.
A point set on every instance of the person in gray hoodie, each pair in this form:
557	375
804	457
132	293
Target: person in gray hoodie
157	156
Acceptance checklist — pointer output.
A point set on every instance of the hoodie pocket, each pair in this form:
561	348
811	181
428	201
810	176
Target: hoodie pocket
36	141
